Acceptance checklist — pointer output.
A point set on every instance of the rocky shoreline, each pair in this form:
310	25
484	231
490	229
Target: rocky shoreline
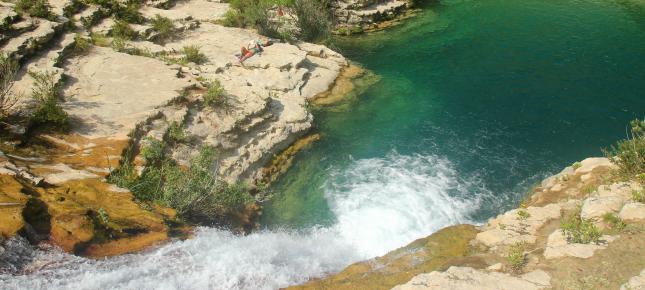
120	97
525	248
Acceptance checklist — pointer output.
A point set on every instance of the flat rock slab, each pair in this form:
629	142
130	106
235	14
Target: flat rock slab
110	92
635	283
596	207
468	278
518	225
558	247
202	10
634	211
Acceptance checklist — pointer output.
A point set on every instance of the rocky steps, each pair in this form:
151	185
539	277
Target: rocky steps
115	99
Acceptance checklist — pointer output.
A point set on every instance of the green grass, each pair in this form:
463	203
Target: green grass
46	94
523	215
8	99
638	196
176	134
163	26
81	44
515	257
122	30
192	54
629	154
215	95
35	8
616	223
576	165
579	230
196	193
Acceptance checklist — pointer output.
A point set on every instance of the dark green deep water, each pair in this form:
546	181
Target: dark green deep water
506	91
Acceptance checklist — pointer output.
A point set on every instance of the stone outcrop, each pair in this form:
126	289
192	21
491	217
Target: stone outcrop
354	16
635	283
463	278
118	94
557	246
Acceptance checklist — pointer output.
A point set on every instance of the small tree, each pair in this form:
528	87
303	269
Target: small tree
314	19
8	99
629	154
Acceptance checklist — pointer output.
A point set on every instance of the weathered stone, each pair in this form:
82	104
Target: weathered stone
557	246
633	211
589	164
596	207
635	283
12	202
518	225
469	278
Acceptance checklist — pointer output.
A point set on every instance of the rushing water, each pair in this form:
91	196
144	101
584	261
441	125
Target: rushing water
477	101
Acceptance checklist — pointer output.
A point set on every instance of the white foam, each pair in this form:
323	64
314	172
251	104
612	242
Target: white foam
380	204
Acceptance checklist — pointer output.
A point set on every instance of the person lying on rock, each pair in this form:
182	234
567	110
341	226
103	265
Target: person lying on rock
254	47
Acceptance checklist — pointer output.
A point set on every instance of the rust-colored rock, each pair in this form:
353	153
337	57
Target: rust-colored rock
12	202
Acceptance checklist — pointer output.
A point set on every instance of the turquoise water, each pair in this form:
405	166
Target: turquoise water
505	92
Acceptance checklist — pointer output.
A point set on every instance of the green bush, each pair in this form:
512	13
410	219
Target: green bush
579	230
314	19
523	215
233	18
122	30
128	13
215	94
629	154
515	257
638	196
8	99
35	8
576	165
192	54
163	26
615	222
46	94
153	152
176	133
81	44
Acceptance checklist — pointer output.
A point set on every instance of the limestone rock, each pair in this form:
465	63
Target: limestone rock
469	278
518	225
557	247
635	283
596	207
589	164
633	211
113	91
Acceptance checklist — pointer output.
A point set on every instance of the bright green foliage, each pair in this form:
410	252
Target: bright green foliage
314	19
46	94
196	193
638	196
579	230
8	99
629	154
515	257
35	8
215	94
192	54
103	216
176	133
523	215
576	165
163	26
615	222
81	44
122	30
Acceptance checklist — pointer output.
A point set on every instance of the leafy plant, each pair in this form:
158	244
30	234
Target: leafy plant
314	19
214	95
516	257
46	94
105	219
176	133
192	54
81	44
122	30
8	99
35	8
629	154
163	26
523	215
638	196
153	152
99	39
615	222
576	165
579	230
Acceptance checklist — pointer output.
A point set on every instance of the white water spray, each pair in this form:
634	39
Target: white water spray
380	204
